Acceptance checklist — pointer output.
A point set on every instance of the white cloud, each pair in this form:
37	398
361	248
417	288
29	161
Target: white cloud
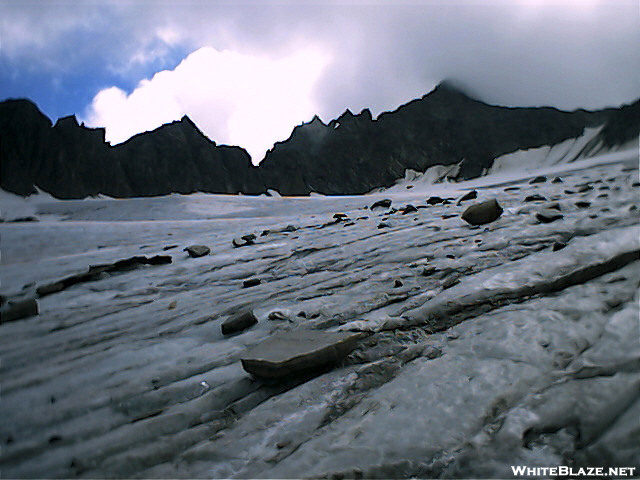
234	98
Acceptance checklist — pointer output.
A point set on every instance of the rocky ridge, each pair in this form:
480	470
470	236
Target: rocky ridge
352	154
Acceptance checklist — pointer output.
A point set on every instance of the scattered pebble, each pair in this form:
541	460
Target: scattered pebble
196	251
238	322
548	216
535	198
468	196
539	179
558	246
481	213
384	203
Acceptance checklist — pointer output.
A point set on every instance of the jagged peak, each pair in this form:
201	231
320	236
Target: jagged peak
346	114
187	120
67	121
316	120
452	87
186	123
366	113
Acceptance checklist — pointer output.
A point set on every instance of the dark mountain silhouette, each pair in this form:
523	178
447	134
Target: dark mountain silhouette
350	155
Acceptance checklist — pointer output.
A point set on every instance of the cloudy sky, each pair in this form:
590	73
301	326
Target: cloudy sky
247	72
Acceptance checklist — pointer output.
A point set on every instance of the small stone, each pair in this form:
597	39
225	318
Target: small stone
553	206
535	198
583	204
169	247
548	216
428	271
239	322
468	196
155	260
173	305
557	180
383	225
434	200
252	282
243	241
569	192
302	314
450	282
385	203
289	228
584	188
409	187
558	246
397	284
18	310
196	251
539	179
50	288
277	315
481	213
408	209
265	233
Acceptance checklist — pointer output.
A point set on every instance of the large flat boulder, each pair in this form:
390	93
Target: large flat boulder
297	351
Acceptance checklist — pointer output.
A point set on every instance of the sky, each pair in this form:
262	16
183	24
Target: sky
247	72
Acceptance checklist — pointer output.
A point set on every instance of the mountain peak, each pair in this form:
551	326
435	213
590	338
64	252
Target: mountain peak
452	87
70	121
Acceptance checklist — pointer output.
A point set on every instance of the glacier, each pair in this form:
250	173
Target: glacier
513	343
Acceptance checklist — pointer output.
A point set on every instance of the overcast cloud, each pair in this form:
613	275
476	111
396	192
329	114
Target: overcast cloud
248	72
